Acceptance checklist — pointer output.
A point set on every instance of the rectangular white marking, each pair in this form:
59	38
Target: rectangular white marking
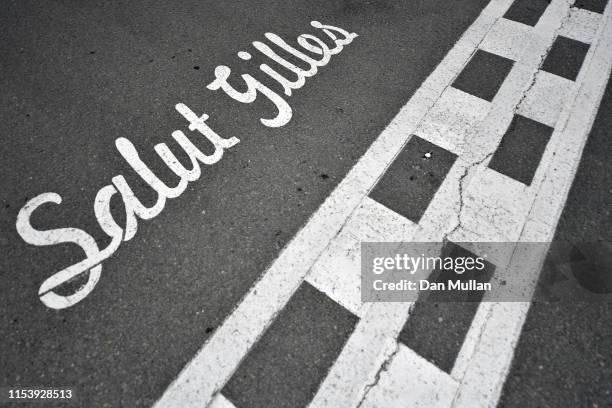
221	402
452	119
411	381
581	25
508	39
337	272
546	98
494	208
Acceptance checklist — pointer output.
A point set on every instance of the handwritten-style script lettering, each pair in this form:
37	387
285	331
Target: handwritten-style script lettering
311	50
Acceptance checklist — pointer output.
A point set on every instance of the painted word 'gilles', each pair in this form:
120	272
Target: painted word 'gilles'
134	208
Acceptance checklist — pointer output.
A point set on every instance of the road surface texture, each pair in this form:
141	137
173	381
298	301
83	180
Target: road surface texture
563	358
445	121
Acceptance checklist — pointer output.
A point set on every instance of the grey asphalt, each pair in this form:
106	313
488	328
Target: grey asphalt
76	75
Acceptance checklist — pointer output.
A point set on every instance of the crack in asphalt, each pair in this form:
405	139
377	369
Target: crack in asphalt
462	180
384	367
517	106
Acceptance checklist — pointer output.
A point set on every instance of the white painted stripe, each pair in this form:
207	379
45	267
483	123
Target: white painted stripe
220	356
494	208
507	39
481	191
373	342
486	366
581	25
471	341
452	119
374	220
411	381
360	361
371	346
221	402
337	272
546	98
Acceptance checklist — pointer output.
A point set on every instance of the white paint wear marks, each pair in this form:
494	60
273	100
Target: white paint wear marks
134	208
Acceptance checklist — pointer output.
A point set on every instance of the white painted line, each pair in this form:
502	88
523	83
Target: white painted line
427	385
373	219
494	208
471	341
360	362
508	39
581	25
442	213
373	341
371	346
516	85
452	119
557	11
489	360
361	359
221	402
546	98
337	272
220	356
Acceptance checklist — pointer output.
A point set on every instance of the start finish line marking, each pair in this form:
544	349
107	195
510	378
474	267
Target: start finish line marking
134	208
373	369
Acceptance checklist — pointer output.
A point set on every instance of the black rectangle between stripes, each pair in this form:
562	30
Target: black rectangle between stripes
527	11
413	178
483	75
520	151
565	57
439	321
287	365
596	6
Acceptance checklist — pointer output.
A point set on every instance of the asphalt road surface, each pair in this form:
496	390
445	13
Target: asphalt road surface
564	356
76	76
